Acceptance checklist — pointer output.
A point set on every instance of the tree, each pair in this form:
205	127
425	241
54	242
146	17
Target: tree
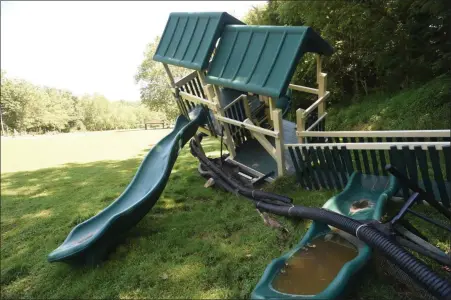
379	45
155	89
31	108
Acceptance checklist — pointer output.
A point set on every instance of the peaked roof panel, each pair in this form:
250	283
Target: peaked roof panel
189	38
262	59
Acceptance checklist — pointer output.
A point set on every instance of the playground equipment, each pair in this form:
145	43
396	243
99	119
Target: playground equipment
89	241
368	194
371	232
248	79
245	84
238	91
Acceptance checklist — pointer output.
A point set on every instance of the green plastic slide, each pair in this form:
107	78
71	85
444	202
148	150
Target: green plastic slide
375	191
89	241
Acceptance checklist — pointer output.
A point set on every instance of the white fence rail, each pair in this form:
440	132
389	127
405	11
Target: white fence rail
388	133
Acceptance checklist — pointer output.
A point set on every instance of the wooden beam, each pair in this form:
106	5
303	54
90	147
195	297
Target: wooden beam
248	126
376	146
249	169
169	73
319	62
382	133
233	102
247	108
300	122
262	140
321	93
316	122
186	79
316	104
201	76
301	88
280	150
220	114
198	100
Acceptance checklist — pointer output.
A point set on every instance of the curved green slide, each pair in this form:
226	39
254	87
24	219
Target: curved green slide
89	241
377	190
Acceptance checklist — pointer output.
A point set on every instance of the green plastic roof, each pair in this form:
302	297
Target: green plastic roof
262	59
189	38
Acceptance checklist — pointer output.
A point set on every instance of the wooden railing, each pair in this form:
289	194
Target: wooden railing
191	94
319	106
238	110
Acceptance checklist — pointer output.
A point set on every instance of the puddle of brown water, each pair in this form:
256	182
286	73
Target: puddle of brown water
310	270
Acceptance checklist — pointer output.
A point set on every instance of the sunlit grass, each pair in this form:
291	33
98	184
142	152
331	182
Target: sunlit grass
195	242
34	153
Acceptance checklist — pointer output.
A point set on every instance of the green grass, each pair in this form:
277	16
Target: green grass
195	243
423	107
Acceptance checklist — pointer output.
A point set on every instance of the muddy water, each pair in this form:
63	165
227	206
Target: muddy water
310	270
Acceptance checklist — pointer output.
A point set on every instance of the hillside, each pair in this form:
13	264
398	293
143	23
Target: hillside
423	107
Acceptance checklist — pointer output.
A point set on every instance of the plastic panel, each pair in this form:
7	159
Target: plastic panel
188	39
262	59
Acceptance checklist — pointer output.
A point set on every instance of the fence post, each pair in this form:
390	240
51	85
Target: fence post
300	123
278	127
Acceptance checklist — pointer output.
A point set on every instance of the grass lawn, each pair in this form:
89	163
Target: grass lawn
195	243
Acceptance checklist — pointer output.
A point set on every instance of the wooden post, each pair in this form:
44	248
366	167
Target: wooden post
171	78
319	62
220	111
321	92
174	88
300	123
278	127
247	109
201	76
269	101
321	79
210	92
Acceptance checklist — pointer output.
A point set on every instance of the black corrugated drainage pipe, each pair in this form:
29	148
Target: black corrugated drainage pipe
368	233
247	192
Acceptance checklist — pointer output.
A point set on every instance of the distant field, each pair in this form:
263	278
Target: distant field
37	152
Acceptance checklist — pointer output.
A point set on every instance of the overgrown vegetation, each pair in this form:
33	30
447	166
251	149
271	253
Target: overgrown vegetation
424	107
27	107
379	45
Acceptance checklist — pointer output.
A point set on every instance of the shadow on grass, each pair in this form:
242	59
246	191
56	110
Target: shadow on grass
195	242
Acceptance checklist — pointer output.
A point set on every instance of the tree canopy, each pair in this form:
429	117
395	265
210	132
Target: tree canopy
379	45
